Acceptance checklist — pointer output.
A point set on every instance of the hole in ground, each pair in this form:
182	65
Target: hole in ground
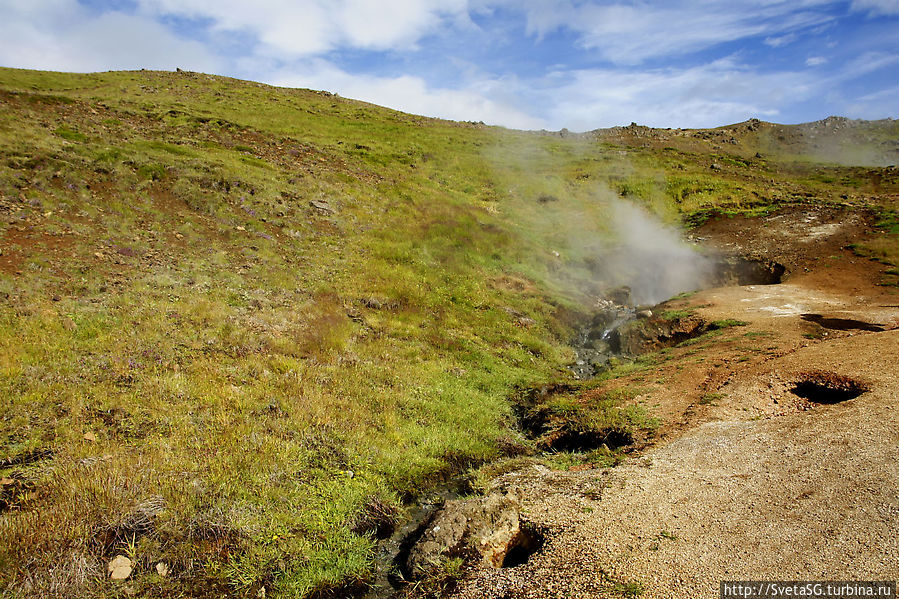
828	387
528	542
842	324
567	439
736	270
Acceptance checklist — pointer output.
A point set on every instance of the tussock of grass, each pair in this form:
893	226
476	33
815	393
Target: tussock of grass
727	323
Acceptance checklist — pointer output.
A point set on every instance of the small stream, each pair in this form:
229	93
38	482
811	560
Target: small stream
597	342
392	552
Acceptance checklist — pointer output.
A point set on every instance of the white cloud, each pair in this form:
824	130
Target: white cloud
294	28
876	7
284	42
783	40
632	33
704	96
61	35
485	99
867	63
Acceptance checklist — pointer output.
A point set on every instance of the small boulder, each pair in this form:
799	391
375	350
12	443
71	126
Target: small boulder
485	527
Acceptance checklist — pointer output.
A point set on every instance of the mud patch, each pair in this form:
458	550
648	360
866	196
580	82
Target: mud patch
842	324
642	336
822	387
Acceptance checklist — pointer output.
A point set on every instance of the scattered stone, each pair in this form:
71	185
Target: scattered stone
162	569
240	228
119	568
525	322
89	436
644	314
323	206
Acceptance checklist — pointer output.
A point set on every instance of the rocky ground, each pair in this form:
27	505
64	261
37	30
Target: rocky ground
778	455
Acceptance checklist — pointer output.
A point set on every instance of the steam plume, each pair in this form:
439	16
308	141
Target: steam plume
648	257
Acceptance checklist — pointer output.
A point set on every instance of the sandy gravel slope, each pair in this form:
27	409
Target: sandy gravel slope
812	494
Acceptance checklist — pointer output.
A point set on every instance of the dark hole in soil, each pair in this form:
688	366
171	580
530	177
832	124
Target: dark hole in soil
575	440
528	542
842	324
375	519
828	388
10	492
737	270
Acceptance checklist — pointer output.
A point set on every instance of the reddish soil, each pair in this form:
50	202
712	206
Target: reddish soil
20	244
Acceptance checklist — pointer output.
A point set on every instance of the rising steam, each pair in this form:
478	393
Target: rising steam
648	256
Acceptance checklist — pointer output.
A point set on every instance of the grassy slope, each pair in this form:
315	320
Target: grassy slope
239	325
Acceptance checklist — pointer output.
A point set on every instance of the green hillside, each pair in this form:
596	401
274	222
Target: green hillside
241	327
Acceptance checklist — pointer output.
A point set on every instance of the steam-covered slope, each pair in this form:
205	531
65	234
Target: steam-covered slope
834	140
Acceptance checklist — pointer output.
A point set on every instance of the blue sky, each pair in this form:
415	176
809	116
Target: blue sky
529	64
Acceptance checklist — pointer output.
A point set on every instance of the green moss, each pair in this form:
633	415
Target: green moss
70	134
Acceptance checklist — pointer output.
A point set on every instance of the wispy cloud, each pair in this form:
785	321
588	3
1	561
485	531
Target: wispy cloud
782	40
703	96
631	33
290	28
877	7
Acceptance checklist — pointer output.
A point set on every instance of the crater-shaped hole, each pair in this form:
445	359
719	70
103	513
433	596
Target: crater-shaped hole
588	440
528	542
737	270
828	387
